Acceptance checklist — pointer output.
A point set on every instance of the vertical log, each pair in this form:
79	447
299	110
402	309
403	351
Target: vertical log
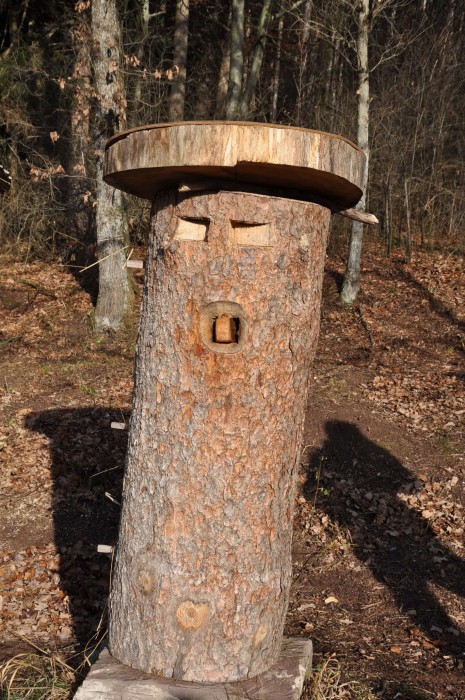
203	566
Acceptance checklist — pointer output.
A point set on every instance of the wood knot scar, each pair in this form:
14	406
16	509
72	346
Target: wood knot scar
191	616
260	635
145	582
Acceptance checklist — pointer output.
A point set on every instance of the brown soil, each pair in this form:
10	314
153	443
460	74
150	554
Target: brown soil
378	558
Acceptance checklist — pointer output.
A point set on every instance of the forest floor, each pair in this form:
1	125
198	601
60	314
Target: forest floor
379	559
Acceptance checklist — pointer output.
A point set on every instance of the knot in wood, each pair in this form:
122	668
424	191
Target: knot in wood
146	582
260	634
191	616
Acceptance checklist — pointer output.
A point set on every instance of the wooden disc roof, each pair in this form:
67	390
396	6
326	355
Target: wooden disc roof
149	158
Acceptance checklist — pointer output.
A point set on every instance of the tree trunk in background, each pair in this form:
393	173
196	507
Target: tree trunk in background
145	19
114	294
80	212
222	84
302	82
257	60
351	283
181	39
236	65
332	86
277	70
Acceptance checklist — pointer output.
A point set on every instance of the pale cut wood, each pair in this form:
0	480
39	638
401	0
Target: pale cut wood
203	566
362	216
118	426
157	157
135	264
104	548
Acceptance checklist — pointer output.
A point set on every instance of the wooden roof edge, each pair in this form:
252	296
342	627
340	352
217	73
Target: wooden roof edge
146	127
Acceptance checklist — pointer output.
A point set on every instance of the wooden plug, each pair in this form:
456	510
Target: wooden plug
224	330
118	426
136	264
104	548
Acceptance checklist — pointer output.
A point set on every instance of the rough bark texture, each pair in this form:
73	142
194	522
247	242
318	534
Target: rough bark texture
248	90
80	213
181	39
351	284
236	63
203	565
114	289
144	160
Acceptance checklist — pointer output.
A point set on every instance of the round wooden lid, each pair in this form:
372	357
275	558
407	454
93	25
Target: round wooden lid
149	158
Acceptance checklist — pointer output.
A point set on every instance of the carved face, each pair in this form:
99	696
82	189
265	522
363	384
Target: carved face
241	262
223	324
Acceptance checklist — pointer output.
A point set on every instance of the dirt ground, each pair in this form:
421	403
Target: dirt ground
379	561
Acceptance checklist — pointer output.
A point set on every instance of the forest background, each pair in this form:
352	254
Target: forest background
378	564
388	74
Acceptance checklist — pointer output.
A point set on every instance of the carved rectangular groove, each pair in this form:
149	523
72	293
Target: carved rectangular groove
191	230
242	233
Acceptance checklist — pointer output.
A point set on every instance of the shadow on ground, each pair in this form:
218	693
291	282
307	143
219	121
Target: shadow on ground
88	459
87	462
390	537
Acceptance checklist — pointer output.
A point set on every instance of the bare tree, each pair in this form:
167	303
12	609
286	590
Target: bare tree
236	63
351	283
181	39
303	86
79	199
114	294
242	88
277	70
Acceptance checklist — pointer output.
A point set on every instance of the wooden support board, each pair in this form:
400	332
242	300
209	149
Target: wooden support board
156	157
110	680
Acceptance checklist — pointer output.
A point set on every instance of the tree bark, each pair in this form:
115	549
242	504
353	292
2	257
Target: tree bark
140	51
351	283
222	85
114	294
277	70
257	60
236	64
80	212
302	82
181	38
229	325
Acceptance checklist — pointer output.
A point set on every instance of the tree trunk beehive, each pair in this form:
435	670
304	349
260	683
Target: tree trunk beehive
229	324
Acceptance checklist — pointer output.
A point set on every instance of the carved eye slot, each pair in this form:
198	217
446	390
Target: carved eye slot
251	234
189	229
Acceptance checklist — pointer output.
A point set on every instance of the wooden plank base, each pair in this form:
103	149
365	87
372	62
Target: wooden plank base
108	679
